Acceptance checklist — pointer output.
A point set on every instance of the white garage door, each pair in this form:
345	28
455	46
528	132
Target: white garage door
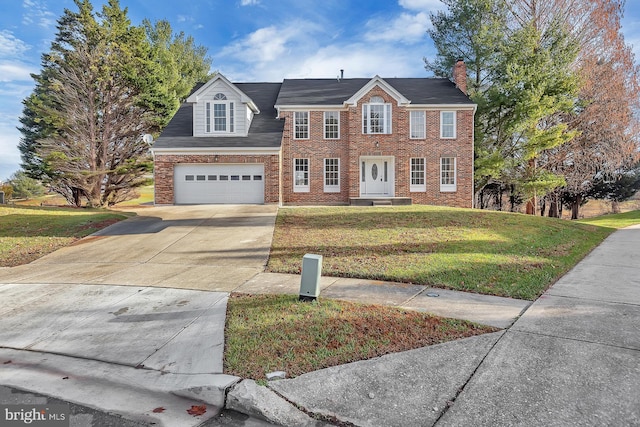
218	183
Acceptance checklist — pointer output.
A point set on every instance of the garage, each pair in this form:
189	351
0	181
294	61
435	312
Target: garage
218	183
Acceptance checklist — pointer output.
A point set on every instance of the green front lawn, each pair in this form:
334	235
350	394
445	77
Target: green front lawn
28	233
487	252
267	333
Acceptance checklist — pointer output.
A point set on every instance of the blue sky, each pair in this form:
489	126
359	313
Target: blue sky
249	40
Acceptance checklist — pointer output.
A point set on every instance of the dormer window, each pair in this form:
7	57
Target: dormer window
219	115
376	116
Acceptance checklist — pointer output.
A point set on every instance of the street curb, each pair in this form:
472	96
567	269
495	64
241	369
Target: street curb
260	402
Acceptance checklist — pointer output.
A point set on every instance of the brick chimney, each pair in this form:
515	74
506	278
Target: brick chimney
460	75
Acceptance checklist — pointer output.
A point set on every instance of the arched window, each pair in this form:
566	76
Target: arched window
219	115
376	116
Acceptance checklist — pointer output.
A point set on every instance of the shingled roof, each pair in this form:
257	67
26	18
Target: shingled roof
265	130
420	91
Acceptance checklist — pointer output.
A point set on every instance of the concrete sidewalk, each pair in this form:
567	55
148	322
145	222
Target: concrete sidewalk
486	309
122	349
572	359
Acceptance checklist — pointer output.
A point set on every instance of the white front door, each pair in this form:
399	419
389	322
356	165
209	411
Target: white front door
376	177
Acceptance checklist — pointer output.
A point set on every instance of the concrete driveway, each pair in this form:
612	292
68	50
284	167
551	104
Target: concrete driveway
205	247
132	319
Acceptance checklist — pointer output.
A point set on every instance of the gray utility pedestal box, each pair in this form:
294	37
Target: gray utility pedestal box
310	278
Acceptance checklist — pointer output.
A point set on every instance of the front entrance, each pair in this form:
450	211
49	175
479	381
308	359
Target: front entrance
376	177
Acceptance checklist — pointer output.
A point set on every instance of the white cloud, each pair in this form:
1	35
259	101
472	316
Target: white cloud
9	153
10	46
15	71
249	2
356	59
36	12
270	44
421	5
406	28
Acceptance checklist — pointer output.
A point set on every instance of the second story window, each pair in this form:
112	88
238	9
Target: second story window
219	115
331	125
418	125
447	124
376	116
301	125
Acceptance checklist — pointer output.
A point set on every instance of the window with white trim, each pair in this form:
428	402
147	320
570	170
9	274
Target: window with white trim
418	125
448	174
448	124
301	175
376	116
207	117
219	115
331	175
332	125
301	125
418	169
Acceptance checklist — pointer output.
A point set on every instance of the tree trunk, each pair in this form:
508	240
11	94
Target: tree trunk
512	198
575	207
531	206
553	207
615	206
559	210
77	197
543	206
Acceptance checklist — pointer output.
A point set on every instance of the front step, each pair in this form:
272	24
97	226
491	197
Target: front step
383	201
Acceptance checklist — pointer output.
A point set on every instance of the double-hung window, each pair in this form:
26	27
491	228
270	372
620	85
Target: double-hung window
331	125
418	125
448	124
301	125
418	182
376	116
331	175
219	115
448	174
301	175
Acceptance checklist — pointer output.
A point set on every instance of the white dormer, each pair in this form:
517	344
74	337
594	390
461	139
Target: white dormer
221	109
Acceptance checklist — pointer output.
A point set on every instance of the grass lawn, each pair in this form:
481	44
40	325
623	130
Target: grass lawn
487	252
52	200
621	220
28	233
266	333
145	196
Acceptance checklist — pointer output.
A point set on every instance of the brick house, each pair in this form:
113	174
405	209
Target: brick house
320	141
